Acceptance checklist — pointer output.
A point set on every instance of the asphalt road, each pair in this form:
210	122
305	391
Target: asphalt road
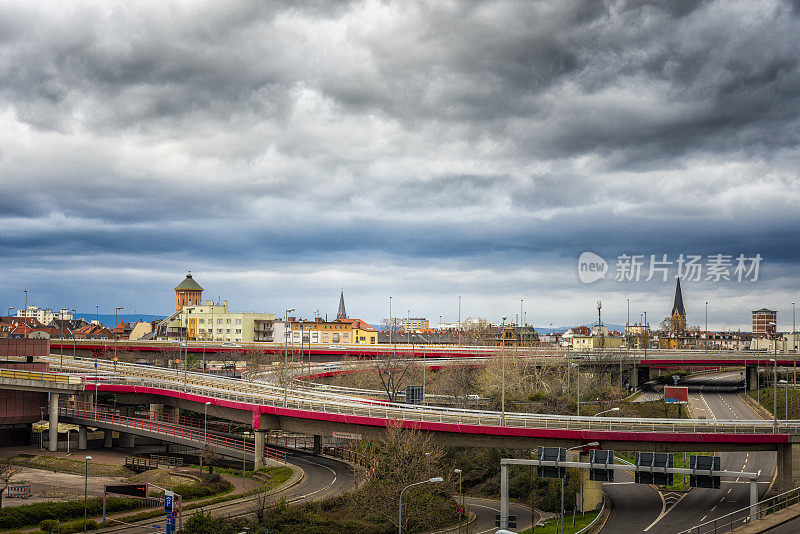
639	508
486	509
324	477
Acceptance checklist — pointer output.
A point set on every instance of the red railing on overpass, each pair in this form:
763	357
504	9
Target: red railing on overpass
87	412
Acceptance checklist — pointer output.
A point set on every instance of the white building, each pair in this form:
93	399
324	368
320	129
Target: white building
45	315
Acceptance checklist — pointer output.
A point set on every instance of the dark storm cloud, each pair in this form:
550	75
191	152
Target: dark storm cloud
488	135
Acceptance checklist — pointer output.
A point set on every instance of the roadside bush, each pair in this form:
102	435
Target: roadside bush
34	514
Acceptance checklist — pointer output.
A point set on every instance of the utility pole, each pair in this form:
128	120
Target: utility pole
459	320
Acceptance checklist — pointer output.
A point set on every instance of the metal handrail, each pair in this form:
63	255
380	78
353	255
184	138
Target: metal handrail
258	394
732	520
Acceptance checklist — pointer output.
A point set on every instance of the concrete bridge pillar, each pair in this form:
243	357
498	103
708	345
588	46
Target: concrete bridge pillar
788	467
641	374
258	458
108	439
155	411
317	444
751	377
83	438
53	421
127	441
591	494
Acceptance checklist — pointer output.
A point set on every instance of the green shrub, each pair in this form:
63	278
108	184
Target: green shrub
34	514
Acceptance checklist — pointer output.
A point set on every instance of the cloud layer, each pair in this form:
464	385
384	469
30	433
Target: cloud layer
415	149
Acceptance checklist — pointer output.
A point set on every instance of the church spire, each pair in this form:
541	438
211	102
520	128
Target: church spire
341	314
677	307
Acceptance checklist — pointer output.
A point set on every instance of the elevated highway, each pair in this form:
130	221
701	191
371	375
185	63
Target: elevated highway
266	406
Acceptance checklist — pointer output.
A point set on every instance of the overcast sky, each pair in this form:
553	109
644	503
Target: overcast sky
423	150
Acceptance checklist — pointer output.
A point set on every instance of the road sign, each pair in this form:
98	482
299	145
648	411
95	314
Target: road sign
512	521
552	454
131	490
173	514
597	456
459	510
414	395
701	479
169	497
347	435
676	394
651	460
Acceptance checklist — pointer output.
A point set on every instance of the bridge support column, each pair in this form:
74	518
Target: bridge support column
127	441
503	495
258	458
317	444
591	493
641	374
155	411
83	438
788	466
53	422
108	439
750	377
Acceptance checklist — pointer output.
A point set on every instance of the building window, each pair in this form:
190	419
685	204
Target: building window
228	331
227	321
238	330
201	321
219	321
238	321
219	330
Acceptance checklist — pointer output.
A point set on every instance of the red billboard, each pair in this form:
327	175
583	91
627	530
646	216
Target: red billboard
676	394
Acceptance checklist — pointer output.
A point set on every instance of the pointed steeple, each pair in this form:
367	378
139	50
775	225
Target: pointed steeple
341	314
677	307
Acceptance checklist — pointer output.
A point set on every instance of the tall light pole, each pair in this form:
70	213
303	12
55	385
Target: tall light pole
459	320
391	322
116	310
286	332
25	320
578	381
85	490
520	310
400	507
460	498
628	325
775	394
503	358
646	335
245	435
706	327
205	422
73	333
97	314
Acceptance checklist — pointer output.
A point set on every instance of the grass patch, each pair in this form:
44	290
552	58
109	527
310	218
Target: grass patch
68	465
33	514
551	526
765	397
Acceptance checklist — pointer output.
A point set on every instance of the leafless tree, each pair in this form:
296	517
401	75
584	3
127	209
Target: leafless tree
7	473
393	373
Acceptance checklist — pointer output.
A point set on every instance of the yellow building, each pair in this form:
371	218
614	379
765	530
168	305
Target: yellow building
214	322
596	342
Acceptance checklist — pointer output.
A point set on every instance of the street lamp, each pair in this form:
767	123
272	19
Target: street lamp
460	496
605	411
400	507
245	435
459	320
116	310
774	394
205	422
73	333
286	332
590	444
85	490
578	380
706	344
503	358
25	320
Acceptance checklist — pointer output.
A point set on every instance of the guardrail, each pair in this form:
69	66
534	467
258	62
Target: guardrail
42	376
166	429
271	395
735	519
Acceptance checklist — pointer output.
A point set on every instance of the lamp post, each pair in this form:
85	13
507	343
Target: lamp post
116	310
590	444
578	381
25	320
460	498
391	323
97	314
774	394
706	343
400	507
12	307
205	422
73	334
459	320
245	435
286	332
646	336
85	490
503	359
